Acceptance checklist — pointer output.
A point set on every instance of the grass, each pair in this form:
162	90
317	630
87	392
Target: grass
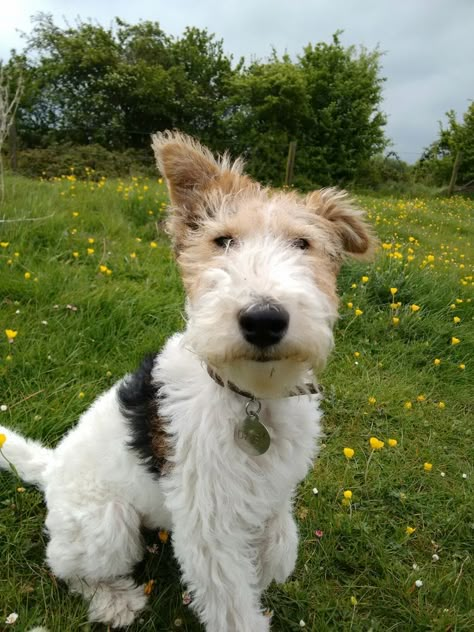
79	329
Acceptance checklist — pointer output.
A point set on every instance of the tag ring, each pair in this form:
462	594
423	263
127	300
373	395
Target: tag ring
253	407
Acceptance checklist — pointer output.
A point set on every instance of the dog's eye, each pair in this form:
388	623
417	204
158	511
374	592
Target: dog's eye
226	241
302	244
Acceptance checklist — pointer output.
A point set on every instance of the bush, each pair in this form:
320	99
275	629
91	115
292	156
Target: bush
85	160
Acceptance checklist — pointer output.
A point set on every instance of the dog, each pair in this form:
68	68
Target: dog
209	438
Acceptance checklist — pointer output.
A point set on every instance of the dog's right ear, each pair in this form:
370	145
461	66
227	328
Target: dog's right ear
186	165
193	177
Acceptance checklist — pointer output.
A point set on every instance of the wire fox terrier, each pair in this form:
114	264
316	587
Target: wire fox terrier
210	437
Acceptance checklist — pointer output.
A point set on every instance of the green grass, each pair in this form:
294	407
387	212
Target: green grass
80	329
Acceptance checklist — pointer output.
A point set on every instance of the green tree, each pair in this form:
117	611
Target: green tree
345	91
114	86
328	101
436	164
268	108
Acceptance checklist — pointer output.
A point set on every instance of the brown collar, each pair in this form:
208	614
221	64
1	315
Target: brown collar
308	389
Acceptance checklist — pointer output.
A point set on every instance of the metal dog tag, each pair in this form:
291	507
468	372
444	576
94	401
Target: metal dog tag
250	434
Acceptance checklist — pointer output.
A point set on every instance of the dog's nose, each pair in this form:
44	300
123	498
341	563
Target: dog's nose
264	324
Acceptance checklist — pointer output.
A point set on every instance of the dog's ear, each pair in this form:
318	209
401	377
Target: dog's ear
346	220
196	180
187	166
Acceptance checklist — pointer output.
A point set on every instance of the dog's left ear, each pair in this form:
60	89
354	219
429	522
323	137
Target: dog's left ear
346	220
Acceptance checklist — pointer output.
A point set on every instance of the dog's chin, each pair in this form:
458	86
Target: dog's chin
265	377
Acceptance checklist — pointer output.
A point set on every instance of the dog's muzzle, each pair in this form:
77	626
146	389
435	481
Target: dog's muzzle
264	324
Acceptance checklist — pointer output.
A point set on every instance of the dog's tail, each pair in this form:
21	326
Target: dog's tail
28	458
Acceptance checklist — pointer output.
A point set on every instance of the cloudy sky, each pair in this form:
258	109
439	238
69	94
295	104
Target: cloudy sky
428	45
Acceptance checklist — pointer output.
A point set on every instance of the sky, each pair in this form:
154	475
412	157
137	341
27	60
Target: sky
427	45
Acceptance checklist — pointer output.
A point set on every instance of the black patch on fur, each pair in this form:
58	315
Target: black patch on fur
139	400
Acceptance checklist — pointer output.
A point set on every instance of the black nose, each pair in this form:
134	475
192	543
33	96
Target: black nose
264	324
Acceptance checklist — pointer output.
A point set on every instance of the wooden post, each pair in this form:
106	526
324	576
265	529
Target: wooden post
454	174
13	145
290	163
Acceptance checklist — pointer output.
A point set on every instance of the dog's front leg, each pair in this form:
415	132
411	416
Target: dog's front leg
220	573
280	548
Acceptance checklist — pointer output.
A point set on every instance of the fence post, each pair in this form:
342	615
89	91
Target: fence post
290	163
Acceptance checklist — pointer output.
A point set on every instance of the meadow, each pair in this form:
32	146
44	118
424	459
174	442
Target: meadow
88	285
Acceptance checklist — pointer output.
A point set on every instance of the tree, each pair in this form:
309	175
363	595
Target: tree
115	86
11	88
268	108
456	139
328	101
345	93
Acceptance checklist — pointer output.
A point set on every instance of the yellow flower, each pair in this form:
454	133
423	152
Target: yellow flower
348	453
163	536
456	320
441	405
430	258
428	467
376	444
395	320
3	438
353	286
452	306
372	400
148	587
75	214
153	244
133	255
410	530
356	354
392	443
4	244
455	341
408	405
75	255
10	334
27	275
91	240
81	394
462	367
103	268
358	312
459	300
354	601
348	494
393	290
414	308
437	361
90	251
420	398
350	305
364	279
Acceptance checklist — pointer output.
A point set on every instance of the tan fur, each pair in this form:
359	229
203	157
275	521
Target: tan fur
160	444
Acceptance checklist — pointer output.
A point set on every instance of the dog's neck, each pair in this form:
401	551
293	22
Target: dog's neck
308	388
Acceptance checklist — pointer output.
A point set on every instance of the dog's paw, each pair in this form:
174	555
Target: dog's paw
117	604
279	552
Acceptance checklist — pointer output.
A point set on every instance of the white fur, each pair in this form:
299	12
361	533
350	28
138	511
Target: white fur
261	268
230	514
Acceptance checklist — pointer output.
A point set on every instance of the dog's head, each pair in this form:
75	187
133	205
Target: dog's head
259	266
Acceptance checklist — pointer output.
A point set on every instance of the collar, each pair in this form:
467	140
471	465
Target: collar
308	389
